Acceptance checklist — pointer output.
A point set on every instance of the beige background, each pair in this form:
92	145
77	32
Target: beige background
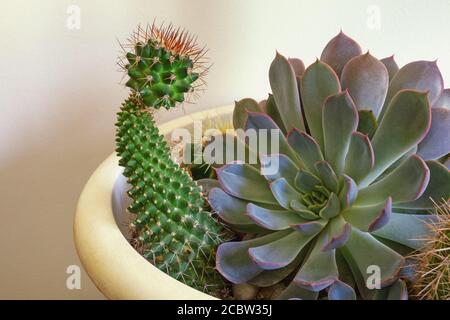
59	93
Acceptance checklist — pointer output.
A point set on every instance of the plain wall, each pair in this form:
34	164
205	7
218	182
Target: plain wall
59	92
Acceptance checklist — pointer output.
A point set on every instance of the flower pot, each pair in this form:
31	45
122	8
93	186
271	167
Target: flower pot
100	230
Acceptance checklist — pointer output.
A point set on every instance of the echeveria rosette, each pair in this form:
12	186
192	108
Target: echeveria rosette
360	158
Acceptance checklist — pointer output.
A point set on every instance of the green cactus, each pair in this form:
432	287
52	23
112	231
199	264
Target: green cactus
433	274
173	230
164	66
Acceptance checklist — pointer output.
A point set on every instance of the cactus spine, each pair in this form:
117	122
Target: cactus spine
173	230
433	273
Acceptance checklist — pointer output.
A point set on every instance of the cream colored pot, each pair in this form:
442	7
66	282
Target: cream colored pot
117	270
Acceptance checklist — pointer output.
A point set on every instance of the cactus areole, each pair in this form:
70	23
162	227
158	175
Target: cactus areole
363	150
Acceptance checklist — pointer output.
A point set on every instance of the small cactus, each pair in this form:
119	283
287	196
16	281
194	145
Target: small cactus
163	65
433	274
173	231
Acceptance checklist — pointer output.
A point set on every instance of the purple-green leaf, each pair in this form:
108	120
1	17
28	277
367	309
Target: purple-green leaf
277	166
311	227
233	261
391	66
341	291
444	100
405	183
279	253
340	119
339	50
297	65
285	91
332	208
405	124
232	210
367	81
418	75
437	141
319	270
348	192
272	219
318	82
306	182
284	193
362	250
369	218
438	188
240	111
360	158
245	182
257	122
306	147
338	232
328	176
410	230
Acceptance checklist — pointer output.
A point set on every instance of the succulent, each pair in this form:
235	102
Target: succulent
172	228
361	146
433	274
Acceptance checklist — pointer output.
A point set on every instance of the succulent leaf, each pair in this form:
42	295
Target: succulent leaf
285	91
369	218
294	292
367	122
339	51
349	191
306	147
271	110
318	83
332	208
260	121
437	141
284	193
367	81
444	100
240	112
297	65
391	66
310	227
231	210
360	158
419	75
404	228
328	176
338	232
341	291
405	183
232	254
286	168
319	270
280	253
272	219
388	261
340	119
245	182
438	188
405	123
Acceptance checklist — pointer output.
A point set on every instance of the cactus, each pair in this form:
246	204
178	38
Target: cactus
433	273
173	230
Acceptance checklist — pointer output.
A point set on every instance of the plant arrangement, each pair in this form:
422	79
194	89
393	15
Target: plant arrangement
362	149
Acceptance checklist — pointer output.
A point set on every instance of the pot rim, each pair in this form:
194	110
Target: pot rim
114	266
